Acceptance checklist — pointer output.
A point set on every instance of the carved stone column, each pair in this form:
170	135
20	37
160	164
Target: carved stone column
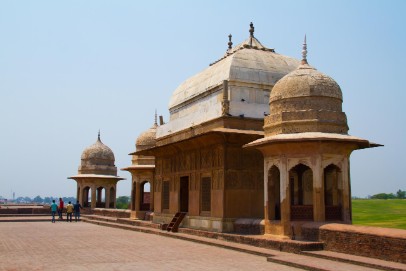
107	199
285	196
137	196
346	211
93	203
266	199
318	191
151	194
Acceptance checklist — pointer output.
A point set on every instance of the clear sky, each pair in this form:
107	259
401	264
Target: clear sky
70	68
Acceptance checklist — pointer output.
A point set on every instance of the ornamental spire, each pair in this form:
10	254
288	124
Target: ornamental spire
304	52
230	43
98	135
252	29
251	32
156	119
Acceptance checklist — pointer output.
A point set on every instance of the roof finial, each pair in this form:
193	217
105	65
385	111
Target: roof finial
304	52
156	119
252	30
230	43
98	135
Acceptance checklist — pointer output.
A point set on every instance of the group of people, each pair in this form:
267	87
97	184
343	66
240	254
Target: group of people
70	210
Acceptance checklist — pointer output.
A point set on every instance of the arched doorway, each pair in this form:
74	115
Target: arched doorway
145	196
100	197
333	192
301	192
274	198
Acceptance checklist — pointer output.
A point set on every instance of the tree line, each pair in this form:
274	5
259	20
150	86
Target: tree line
40	200
399	195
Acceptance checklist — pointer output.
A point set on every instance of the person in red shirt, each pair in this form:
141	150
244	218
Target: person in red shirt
60	208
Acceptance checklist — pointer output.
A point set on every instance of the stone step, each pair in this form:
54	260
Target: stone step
295	260
139	223
359	260
253	240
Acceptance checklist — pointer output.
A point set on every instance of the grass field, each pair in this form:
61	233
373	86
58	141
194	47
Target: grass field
390	213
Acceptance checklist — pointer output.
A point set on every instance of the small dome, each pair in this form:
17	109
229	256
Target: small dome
305	81
306	100
147	139
98	159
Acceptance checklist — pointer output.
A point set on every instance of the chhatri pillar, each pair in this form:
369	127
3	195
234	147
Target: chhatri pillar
306	152
97	173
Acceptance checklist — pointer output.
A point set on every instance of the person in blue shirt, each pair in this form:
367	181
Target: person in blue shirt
76	209
54	209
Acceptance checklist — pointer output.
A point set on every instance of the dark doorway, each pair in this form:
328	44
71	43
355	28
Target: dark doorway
184	194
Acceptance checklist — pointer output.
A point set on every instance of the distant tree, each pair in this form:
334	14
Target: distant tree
48	200
67	199
401	194
27	199
38	199
383	196
123	202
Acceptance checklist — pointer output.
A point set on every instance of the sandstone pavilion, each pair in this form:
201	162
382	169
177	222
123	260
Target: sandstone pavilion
257	142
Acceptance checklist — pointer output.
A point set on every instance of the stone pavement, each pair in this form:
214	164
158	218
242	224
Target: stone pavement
82	246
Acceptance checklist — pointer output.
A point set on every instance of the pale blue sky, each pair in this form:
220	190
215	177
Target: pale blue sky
68	68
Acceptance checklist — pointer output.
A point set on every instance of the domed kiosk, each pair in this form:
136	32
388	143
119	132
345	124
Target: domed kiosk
306	152
142	172
97	174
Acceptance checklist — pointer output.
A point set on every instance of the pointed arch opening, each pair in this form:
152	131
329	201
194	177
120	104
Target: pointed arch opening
333	190
145	196
85	197
274	195
100	197
301	192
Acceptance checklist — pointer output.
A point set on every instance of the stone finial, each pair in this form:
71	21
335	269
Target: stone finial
156	119
98	135
304	52
252	30
230	43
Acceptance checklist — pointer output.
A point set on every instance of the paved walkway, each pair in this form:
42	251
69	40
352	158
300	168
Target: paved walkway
82	246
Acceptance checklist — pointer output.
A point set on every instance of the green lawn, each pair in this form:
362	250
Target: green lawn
390	213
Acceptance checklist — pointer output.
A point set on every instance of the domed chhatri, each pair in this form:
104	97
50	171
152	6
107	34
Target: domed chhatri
97	174
147	139
142	172
306	152
98	159
306	100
